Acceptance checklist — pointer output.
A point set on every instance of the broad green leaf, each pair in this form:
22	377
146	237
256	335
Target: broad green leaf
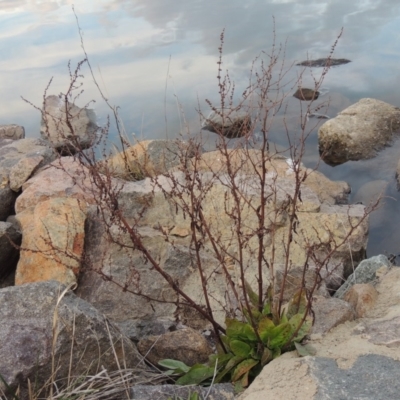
297	304
249	334
283	318
234	328
254	312
255	353
305	328
225	340
276	353
265	327
197	374
280	335
229	366
251	293
305	350
267	308
240	348
266	356
174	364
222	359
239	330
242	368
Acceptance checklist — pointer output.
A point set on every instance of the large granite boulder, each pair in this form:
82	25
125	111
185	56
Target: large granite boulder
372	376
39	325
184	345
359	131
66	126
355	360
19	159
365	272
147	158
64	177
52	241
166	233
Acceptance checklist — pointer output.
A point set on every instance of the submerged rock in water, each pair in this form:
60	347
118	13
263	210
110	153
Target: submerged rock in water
359	132
229	123
324	62
306	94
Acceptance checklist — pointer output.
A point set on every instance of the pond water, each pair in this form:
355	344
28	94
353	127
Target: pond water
150	56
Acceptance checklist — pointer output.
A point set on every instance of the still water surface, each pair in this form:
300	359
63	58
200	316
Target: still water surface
148	54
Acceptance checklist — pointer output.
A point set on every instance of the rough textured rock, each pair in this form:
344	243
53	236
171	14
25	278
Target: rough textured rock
221	391
319	378
362	297
12	131
228	123
8	253
52	241
67	136
59	179
359	131
185	345
12	151
18	160
138	316
146	159
26	315
355	360
330	312
364	273
328	191
144	204
22	171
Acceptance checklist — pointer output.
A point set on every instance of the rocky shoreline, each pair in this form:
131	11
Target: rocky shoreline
47	203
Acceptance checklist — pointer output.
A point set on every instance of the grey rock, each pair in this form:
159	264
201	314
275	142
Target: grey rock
359	131
26	333
134	314
14	155
330	312
364	273
382	332
184	345
141	328
228	123
21	171
14	132
9	236
67	134
221	391
11	152
372	377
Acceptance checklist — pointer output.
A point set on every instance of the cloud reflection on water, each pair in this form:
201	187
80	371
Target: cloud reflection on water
130	42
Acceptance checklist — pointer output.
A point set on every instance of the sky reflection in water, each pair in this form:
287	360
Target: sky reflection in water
134	44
